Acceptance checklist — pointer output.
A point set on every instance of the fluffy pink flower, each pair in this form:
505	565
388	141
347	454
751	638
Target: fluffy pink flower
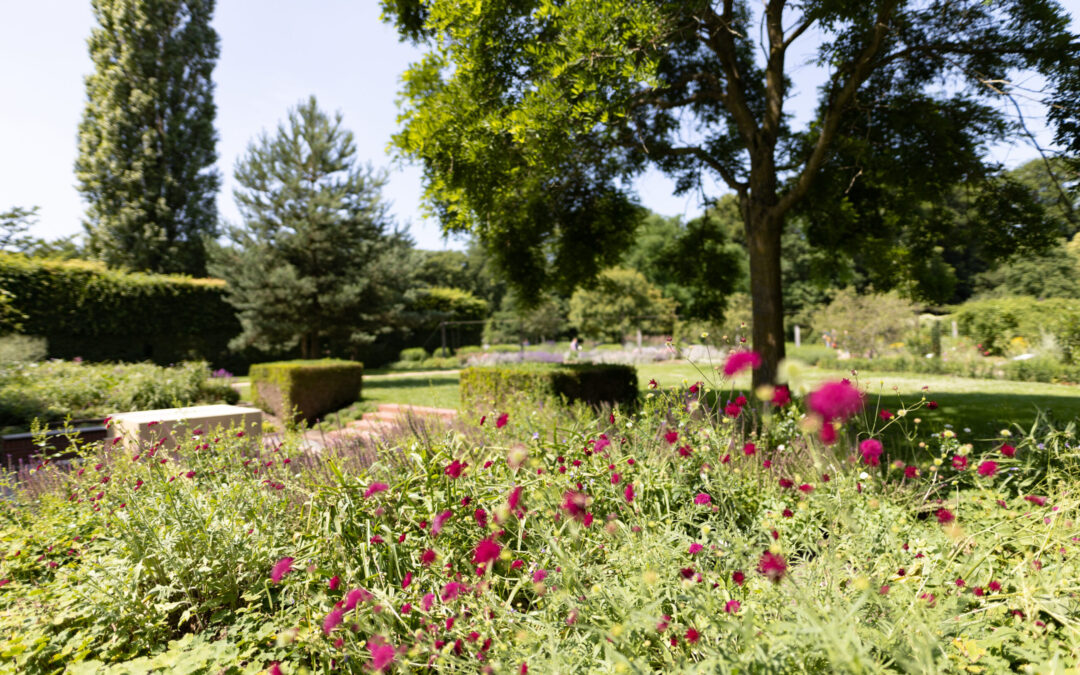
772	566
427	557
959	462
454	469
274	669
732	606
740	361
732	410
749	449
987	468
426	601
944	516
501	422
696	548
1036	500
334	583
781	396
407	580
486	551
332	621
701	498
1008	450
575	503
671	436
539	575
601	443
281	568
375	488
355	597
835	401
628	493
438	521
738	577
692	636
451	590
871	451
382	655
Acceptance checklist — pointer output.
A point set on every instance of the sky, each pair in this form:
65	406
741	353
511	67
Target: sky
274	53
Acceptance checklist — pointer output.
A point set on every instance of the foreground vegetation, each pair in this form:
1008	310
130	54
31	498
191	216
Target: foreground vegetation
674	539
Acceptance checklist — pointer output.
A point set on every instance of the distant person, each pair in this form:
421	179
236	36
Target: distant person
574	345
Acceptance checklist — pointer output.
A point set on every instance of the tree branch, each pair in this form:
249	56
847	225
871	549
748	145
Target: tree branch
720	38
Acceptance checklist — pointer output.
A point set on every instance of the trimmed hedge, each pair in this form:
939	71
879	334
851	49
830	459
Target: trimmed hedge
995	322
309	388
594	384
85	310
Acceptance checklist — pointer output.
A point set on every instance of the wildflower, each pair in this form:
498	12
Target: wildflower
574	503
834	401
944	516
749	449
787	513
885	414
281	568
189	474
960	583
483	418
772	566
438	521
332	621
694	388
959	462
274	669
871	451
426	601
738	577
732	410
740	361
514	500
987	468
740	400
501	422
701	498
662	624
978	591
1008	450
454	469
628	493
601	443
806	488
451	591
615	479
884	589
932	405
480	515
687	572
539	575
994	586
911	472
1037	501
407	580
685	451
781	396
334	583
652	384
671	437
732	606
427	557
786	483
486	551
375	488
692	635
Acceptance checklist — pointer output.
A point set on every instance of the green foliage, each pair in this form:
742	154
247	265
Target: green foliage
1053	274
619	302
994	323
517	320
483	388
305	390
147	139
85	310
864	324
413	354
55	390
23	349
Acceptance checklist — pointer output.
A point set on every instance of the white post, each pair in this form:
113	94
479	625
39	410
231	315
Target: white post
639	338
798	337
955	332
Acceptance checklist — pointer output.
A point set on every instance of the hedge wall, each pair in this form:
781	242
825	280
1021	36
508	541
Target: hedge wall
482	387
86	310
994	323
312	388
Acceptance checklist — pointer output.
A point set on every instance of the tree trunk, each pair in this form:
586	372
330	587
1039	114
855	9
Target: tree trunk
763	231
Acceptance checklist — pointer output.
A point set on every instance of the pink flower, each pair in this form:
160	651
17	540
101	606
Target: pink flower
732	410
274	669
871	451
692	635
806	488
501	422
987	468
454	469
885	414
480	516
601	443
628	493
671	437
740	400
281	568
1037	501
615	479
835	401
189	474
451	590
1008	450
355	597
738	577
427	557
944	516
959	462
332	621
772	566
382	655
781	396
483	418
911	472
438	521
486	551
517	564
749	449
539	575
740	361
375	488
732	606
575	503
701	498
334	583
407	580
425	602
696	548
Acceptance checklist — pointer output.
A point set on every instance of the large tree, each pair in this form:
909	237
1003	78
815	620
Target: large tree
531	116
317	262
147	141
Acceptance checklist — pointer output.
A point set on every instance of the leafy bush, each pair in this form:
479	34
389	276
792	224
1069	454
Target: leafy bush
54	390
994	323
864	324
413	354
622	301
483	387
305	389
86	310
23	348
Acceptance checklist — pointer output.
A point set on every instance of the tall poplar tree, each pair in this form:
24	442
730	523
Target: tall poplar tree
147	138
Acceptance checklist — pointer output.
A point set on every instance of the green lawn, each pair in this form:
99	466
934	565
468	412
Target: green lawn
984	406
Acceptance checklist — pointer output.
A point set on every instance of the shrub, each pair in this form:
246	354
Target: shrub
864	324
994	323
86	310
413	354
23	348
305	389
594	384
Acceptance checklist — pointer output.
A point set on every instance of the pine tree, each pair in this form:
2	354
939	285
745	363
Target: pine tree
317	262
147	138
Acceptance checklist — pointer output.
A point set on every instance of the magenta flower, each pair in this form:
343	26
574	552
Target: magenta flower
438	521
514	501
740	361
701	498
671	437
486	551
732	606
772	566
334	583
1008	450
692	636
407	580
451	591
749	449
732	410
426	601
454	469
375	488
382	655
959	462
738	577
987	468
835	401
628	493
781	396
501	422
696	548
281	568
574	504
944	516
332	621
427	557
355	597
539	575
871	451
601	443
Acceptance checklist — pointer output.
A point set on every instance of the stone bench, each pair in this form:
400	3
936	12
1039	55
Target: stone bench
148	426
